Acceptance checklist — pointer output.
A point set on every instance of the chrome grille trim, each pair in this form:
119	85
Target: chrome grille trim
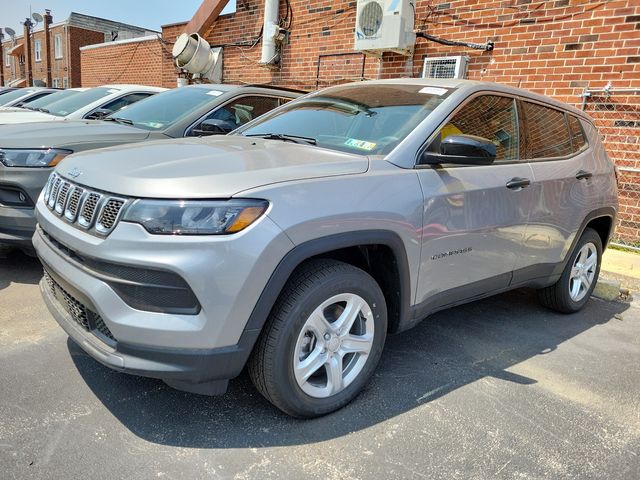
109	214
96	212
54	193
75	197
88	210
47	188
61	201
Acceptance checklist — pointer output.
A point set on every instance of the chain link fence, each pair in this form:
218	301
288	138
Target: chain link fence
616	112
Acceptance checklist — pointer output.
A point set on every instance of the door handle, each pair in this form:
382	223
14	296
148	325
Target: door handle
518	182
582	175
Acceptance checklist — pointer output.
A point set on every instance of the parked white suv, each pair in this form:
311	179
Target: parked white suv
92	103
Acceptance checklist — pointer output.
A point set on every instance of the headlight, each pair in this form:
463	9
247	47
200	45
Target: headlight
195	217
32	157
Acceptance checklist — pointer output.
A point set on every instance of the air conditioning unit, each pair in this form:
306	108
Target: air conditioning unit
445	67
385	26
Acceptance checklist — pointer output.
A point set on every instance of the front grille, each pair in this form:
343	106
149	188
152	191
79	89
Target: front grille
109	214
97	212
84	317
61	201
71	211
89	209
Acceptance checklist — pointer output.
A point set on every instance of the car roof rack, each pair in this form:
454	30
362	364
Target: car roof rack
274	87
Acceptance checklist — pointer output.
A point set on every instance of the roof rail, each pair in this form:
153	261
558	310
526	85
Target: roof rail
274	87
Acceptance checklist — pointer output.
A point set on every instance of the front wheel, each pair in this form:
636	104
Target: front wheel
579	277
322	340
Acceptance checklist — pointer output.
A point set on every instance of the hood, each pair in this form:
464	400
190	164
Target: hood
72	134
217	167
20	115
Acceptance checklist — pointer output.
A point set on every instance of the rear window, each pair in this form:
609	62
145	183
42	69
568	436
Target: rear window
577	133
546	133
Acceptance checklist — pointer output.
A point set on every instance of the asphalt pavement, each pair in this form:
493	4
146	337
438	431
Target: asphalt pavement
499	388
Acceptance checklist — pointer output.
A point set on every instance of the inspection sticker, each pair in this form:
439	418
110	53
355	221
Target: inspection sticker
215	93
361	144
433	90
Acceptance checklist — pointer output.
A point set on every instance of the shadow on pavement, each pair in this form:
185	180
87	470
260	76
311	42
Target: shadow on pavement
17	267
447	351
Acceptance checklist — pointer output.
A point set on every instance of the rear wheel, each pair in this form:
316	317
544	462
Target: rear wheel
572	291
322	340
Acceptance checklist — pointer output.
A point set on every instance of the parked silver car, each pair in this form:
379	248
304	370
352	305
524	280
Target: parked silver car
29	152
299	242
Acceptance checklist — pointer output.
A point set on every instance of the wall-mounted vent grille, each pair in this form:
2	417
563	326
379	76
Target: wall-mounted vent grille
445	67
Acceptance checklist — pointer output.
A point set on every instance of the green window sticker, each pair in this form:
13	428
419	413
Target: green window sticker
360	144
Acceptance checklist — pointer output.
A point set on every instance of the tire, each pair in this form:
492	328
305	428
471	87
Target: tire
559	296
292	339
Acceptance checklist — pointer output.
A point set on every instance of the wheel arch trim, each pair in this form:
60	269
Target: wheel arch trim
304	251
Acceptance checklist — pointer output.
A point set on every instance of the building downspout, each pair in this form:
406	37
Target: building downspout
27	45
2	59
48	19
270	30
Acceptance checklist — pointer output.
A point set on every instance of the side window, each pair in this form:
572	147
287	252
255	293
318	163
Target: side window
244	109
489	116
545	132
577	134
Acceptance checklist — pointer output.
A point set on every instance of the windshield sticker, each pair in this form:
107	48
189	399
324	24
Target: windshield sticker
361	144
113	90
433	90
215	93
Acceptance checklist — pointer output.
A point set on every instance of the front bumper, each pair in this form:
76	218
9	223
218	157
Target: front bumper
18	220
195	352
199	370
17	226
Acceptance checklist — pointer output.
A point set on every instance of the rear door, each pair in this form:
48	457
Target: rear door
474	223
554	144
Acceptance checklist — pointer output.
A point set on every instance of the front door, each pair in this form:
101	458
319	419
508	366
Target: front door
475	217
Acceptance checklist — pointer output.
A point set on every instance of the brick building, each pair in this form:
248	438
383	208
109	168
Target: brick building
66	38
583	52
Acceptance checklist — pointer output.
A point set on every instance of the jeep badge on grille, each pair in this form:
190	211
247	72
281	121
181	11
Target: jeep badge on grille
75	172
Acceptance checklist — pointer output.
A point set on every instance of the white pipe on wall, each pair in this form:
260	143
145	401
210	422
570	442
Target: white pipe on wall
269	31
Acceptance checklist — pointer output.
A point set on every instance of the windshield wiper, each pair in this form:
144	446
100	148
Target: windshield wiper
124	121
285	138
43	110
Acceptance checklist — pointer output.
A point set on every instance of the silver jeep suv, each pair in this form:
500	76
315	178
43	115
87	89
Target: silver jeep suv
297	243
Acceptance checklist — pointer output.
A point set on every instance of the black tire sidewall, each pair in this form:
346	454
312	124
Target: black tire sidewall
589	236
357	282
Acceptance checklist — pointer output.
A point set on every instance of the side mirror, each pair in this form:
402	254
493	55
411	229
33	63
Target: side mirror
462	150
99	114
213	126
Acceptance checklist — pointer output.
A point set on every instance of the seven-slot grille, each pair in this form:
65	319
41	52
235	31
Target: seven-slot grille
91	210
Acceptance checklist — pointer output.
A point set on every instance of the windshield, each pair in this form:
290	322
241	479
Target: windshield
167	108
67	106
44	102
365	119
15	95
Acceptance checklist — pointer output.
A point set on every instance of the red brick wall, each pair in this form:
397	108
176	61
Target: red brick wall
79	37
140	62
